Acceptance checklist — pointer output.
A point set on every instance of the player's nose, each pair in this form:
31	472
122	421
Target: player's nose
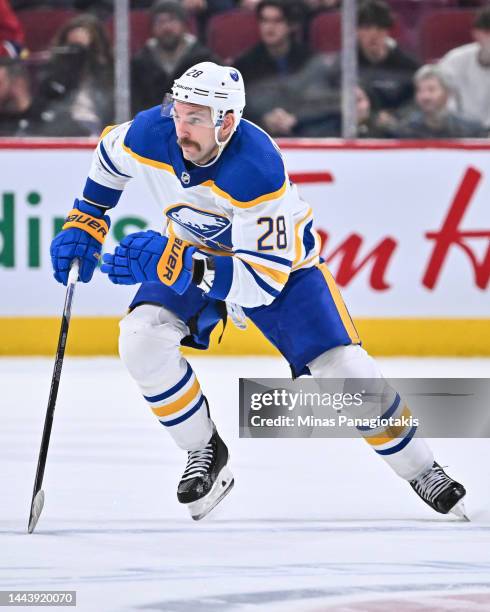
182	130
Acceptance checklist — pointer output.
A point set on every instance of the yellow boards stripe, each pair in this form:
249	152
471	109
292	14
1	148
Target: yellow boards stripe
182	402
92	336
339	303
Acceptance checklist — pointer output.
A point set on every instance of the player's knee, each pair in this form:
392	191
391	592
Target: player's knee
358	375
350	361
149	341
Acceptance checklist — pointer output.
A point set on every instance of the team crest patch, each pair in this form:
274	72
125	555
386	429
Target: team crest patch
185	178
212	229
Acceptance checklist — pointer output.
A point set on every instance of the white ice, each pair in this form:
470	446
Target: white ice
311	525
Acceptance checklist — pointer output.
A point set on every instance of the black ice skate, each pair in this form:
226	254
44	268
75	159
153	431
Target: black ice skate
440	492
207	479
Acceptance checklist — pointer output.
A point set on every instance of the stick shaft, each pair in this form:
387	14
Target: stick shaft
55	380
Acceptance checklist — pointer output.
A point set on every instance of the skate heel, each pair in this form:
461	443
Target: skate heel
222	486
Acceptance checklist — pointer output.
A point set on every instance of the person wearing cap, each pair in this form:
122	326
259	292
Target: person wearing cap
168	53
238	240
468	67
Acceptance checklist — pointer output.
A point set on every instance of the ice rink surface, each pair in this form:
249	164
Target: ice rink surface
311	525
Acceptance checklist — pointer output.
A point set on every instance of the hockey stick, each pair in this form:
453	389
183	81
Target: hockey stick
37	502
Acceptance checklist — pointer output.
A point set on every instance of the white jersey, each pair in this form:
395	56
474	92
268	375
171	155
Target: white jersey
471	81
242	207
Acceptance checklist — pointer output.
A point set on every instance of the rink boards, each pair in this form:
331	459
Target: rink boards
405	230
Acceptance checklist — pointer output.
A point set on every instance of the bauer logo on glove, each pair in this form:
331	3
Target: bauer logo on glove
170	265
97	228
81	237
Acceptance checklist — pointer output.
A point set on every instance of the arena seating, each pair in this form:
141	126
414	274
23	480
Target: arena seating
40	25
229	34
441	31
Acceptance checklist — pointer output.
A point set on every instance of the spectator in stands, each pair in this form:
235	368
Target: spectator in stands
286	83
11	33
469	69
368	124
167	54
383	66
78	79
369	120
23	115
432	117
277	53
15	97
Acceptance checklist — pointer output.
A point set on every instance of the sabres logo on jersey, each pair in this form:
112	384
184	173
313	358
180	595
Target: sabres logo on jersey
212	229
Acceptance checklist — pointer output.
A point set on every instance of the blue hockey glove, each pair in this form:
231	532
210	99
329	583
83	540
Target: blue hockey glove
81	237
149	256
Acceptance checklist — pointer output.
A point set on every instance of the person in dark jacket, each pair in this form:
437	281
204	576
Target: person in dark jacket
385	69
270	68
167	54
277	53
383	66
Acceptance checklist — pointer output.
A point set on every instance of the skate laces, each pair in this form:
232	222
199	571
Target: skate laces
431	483
198	462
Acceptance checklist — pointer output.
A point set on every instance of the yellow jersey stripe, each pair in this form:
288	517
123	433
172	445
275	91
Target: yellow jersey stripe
182	402
249	204
390	433
106	130
149	162
339	303
297	238
277	275
314	258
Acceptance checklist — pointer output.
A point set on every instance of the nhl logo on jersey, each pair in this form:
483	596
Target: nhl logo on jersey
185	178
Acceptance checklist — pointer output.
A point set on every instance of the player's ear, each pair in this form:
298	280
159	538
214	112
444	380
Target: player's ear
227	127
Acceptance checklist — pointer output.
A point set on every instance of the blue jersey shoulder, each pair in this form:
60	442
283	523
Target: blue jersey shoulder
150	134
252	165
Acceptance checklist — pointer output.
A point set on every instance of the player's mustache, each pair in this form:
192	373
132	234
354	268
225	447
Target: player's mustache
188	142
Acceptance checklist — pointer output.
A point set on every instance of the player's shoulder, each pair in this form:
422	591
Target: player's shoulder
252	169
148	134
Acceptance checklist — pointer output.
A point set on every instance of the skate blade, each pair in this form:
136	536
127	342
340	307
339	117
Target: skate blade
460	511
223	485
37	508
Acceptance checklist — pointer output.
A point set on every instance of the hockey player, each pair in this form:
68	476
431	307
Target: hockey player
237	236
